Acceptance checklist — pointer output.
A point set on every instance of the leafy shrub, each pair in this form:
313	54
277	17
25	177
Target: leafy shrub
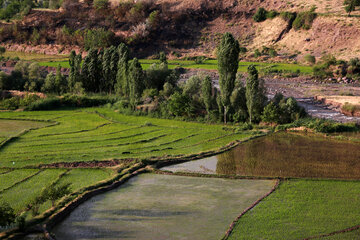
288	17
101	4
271	14
282	110
351	108
304	20
98	38
7	214
179	104
257	53
260	15
310	58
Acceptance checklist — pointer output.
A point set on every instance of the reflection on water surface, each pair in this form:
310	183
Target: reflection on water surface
285	155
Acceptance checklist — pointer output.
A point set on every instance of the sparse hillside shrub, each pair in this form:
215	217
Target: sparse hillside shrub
288	17
98	38
351	108
260	15
101	4
271	14
310	58
13	7
304	20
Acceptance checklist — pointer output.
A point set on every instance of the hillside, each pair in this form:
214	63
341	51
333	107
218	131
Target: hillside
188	28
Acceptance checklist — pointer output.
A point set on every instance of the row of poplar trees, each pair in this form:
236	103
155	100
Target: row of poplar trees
107	71
228	63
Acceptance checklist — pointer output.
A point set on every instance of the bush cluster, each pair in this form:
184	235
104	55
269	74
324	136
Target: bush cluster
262	14
282	110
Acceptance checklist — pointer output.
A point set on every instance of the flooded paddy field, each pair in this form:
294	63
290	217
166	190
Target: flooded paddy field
153	206
284	155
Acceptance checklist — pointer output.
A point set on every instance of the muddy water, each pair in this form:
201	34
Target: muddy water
285	155
159	207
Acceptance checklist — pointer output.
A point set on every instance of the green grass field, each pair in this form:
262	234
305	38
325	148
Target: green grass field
62	60
300	209
207	65
10	128
36	57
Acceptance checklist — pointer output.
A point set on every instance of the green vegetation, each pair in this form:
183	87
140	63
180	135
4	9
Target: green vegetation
300	209
86	136
304	20
351	108
228	62
350	5
10	128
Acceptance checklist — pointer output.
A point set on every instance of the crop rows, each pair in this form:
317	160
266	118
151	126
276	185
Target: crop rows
101	134
20	187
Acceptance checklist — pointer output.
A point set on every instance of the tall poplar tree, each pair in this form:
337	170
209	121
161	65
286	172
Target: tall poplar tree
136	81
122	82
75	66
255	94
228	63
206	92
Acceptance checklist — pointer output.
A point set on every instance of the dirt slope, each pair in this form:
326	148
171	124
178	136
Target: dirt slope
191	28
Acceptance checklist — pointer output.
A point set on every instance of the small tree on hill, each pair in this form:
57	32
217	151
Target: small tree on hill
228	63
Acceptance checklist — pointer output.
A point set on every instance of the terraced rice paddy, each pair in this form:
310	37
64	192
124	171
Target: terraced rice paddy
89	135
300	209
163	207
77	136
179	207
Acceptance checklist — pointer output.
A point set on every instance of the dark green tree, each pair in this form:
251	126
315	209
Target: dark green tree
350	5
7	214
162	57
60	81
206	93
136	81
122	81
105	85
228	63
92	71
54	192
238	102
75	67
255	94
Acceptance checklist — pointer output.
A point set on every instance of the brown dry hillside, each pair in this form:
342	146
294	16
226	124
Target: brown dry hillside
190	28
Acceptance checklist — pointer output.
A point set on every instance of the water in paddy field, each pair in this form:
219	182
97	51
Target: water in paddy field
152	206
284	155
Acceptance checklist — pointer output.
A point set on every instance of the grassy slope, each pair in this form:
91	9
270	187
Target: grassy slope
300	209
